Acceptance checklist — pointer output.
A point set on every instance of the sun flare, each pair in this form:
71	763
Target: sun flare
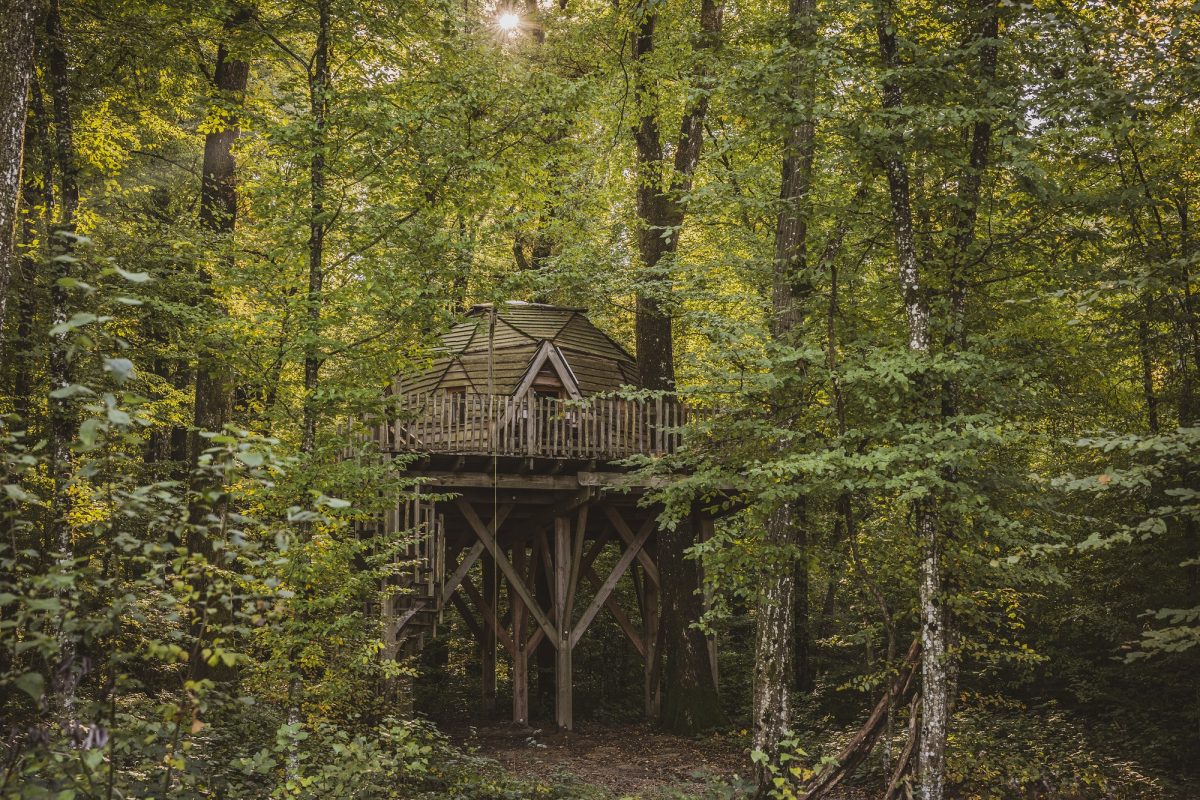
508	21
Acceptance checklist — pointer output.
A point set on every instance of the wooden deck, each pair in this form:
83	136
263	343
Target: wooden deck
519	493
596	428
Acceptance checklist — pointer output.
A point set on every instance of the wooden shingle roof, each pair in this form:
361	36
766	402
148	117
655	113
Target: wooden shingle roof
598	362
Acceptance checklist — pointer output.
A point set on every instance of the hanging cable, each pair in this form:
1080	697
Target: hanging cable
495	598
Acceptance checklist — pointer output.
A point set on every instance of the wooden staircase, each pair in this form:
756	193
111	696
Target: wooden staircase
413	594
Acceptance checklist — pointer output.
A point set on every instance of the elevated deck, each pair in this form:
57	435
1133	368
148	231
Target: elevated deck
530	496
599	428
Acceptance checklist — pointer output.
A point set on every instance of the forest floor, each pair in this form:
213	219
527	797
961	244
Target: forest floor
619	761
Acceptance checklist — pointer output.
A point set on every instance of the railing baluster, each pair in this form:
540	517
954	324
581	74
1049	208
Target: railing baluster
600	427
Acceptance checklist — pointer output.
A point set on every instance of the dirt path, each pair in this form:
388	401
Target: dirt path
634	761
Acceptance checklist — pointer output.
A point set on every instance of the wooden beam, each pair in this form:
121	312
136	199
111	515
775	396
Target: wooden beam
547	556
520	653
486	480
563	557
535	639
618	613
610	582
563	508
468	617
576	559
627	534
408	615
489	615
515	580
471	557
630	481
461	571
487	641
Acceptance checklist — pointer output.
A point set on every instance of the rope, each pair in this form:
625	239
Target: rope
495	598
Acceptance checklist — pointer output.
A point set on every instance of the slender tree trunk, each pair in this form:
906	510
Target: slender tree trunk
781	654
773	642
938	674
38	202
935	697
16	67
542	246
986	34
319	86
690	699
61	427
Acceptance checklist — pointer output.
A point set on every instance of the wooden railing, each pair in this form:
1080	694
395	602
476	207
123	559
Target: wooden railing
606	428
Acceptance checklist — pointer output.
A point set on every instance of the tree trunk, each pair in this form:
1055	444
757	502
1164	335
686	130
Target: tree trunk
16	65
781	654
319	85
38	200
545	654
773	643
61	427
689	697
689	701
218	216
935	698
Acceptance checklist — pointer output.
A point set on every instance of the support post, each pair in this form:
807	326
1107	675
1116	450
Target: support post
487	640
520	670
563	557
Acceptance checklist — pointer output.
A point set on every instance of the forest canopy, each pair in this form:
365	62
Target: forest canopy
917	277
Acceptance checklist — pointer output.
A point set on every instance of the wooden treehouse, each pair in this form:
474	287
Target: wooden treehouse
516	419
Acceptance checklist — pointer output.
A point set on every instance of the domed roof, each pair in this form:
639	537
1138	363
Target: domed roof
526	339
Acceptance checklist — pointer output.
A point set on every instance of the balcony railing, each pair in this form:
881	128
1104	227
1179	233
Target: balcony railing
604	428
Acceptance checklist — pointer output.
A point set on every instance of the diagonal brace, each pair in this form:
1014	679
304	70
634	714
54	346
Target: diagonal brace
610	582
502	562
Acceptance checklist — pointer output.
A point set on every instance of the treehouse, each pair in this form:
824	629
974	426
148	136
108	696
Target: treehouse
517	420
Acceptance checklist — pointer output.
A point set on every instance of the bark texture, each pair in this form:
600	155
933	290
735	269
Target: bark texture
660	184
783	605
938	672
16	67
218	216
689	695
773	644
61	414
935	697
319	85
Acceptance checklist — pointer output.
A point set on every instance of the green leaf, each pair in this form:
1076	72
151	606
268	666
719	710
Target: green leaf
70	391
77	321
251	459
32	684
17	494
332	502
120	368
132	277
89	431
